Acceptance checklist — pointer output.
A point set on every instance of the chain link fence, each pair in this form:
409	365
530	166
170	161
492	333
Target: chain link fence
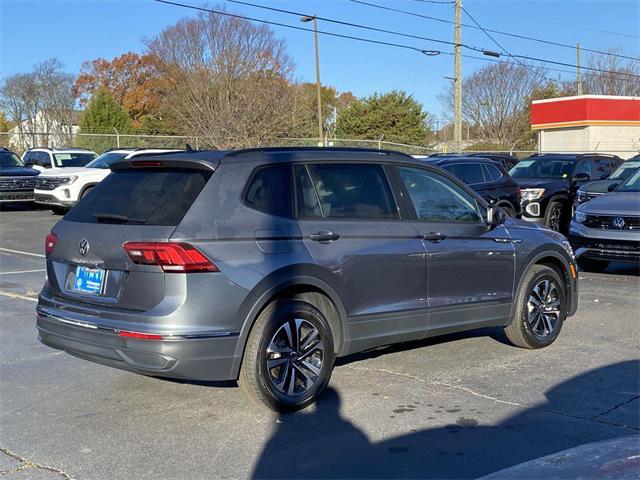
104	141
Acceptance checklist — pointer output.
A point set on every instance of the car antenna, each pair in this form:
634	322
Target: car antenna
189	149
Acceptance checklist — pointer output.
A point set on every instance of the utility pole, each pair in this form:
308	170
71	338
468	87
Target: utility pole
579	69
457	83
306	19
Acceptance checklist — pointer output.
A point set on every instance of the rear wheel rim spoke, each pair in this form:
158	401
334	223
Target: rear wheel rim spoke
294	357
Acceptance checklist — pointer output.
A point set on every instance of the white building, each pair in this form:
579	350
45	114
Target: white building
45	130
588	123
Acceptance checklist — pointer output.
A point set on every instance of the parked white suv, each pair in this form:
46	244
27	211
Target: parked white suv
61	188
48	158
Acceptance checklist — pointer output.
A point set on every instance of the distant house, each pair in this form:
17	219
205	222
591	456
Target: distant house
46	129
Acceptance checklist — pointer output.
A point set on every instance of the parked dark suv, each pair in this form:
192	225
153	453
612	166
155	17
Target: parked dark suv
486	177
267	264
591	190
549	183
16	180
507	160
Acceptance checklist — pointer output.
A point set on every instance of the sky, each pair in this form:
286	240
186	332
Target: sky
76	30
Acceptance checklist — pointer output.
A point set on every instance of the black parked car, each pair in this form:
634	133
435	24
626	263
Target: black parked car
549	183
16	180
599	187
507	160
486	177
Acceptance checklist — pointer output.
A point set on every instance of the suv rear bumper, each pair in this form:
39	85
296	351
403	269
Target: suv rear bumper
199	356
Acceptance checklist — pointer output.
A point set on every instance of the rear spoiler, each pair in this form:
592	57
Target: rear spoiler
177	160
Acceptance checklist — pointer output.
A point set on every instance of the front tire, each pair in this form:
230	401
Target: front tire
289	356
541	307
59	210
553	218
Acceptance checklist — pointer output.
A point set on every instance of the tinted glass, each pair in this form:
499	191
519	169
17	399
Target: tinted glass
72	159
353	191
493	174
625	169
270	191
105	160
584	166
631	184
437	199
469	173
43	159
10	159
308	203
544	167
601	168
141	196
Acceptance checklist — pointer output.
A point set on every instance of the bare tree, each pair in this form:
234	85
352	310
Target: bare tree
229	79
624	78
40	101
495	99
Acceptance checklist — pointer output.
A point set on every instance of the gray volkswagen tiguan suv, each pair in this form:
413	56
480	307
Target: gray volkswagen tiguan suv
264	265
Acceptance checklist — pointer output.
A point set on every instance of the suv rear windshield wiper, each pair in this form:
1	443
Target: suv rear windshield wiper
115	218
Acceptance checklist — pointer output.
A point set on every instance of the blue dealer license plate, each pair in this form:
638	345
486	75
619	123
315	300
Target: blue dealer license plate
89	280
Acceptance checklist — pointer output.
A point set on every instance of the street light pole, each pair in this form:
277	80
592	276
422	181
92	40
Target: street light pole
315	34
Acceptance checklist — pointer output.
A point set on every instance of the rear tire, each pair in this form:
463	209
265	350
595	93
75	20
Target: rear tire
592	265
540	309
289	356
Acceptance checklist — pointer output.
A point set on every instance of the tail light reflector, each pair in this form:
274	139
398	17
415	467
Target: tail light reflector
172	257
139	335
50	242
147	163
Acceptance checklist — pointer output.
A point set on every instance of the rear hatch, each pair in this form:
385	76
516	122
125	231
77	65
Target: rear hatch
141	202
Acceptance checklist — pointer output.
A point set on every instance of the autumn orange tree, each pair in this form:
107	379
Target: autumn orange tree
133	80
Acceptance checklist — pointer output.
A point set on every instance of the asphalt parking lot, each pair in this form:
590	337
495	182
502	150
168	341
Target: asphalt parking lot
460	406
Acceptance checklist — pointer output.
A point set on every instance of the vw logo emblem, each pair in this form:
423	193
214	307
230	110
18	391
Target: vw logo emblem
618	222
84	247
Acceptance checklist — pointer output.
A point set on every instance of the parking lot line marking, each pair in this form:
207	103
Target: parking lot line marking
17	295
23	271
22	253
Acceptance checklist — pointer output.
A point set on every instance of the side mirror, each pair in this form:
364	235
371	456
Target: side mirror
581	177
496	216
612	187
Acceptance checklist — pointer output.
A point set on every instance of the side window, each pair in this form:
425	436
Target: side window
437	199
492	172
43	159
353	191
306	198
270	191
469	173
28	158
601	168
584	166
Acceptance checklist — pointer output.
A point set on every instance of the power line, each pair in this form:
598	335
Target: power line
428	52
350	24
295	27
532	70
498	32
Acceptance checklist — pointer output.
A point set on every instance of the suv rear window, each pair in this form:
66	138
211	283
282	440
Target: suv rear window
141	196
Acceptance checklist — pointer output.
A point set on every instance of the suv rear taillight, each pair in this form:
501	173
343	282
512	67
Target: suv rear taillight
172	257
50	242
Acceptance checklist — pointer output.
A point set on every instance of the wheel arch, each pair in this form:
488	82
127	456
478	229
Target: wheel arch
302	286
560	264
86	187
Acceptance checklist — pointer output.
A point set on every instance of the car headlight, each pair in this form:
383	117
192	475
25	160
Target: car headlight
530	194
580	216
567	246
70	180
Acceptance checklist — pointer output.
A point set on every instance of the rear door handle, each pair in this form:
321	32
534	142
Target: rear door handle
434	236
324	236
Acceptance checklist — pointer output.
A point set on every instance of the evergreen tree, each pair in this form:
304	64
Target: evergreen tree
103	115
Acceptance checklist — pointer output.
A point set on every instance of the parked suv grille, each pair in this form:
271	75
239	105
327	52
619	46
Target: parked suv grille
611	222
9	184
49	183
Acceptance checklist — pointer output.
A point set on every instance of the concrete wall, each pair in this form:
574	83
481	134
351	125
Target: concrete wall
622	140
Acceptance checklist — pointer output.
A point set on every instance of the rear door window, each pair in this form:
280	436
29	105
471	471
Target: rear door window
306	197
354	191
269	190
469	173
492	172
141	197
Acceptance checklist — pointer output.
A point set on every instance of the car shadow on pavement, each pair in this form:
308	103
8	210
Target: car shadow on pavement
323	444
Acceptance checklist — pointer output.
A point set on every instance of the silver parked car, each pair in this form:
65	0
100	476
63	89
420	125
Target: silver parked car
265	265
